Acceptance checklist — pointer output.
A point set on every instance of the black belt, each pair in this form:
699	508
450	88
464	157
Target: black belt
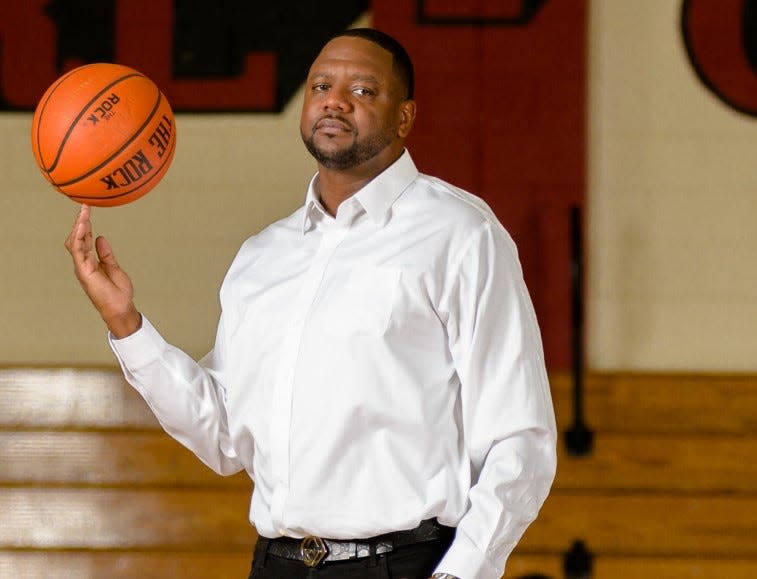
313	551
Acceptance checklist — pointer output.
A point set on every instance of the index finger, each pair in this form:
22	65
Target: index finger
84	213
80	224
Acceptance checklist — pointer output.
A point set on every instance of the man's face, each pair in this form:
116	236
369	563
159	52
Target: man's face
353	108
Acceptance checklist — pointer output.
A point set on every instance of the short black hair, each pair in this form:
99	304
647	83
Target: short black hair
403	66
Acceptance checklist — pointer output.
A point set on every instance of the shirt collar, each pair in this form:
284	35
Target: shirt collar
314	211
377	197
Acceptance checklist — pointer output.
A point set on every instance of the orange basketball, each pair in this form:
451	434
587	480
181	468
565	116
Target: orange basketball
103	134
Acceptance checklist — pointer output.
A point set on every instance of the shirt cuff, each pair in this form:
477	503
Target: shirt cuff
463	559
139	349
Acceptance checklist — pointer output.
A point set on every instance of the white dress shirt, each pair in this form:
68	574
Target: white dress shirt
370	371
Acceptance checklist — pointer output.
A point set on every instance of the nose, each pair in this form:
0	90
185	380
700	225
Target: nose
337	99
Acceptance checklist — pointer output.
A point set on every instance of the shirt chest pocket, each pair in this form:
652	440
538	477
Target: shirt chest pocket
358	302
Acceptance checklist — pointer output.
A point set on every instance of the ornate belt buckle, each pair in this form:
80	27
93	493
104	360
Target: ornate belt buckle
313	550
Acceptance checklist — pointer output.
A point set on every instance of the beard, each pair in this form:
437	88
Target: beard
356	154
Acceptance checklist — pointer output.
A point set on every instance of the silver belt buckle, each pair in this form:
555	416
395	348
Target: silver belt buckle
313	550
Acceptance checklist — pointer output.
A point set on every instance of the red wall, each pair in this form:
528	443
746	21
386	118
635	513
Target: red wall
501	113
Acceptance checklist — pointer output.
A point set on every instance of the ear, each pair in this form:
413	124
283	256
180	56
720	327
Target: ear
406	118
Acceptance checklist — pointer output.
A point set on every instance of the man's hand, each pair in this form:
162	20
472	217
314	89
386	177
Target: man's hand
104	282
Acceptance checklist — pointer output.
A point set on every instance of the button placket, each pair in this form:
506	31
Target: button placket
284	391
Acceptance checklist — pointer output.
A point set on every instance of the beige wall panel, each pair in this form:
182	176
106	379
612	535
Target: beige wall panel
672	203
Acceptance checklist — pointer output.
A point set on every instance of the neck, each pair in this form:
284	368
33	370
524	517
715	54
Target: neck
337	185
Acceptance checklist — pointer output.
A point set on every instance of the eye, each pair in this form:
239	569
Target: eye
320	87
362	91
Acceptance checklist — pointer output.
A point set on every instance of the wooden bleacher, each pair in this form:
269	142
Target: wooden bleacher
91	488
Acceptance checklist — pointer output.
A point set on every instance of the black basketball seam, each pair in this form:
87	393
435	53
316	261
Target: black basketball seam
163	164
94	99
42	108
119	151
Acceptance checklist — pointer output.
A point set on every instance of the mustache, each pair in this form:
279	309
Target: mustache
331	119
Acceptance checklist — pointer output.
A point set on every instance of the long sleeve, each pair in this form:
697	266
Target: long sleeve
508	419
185	396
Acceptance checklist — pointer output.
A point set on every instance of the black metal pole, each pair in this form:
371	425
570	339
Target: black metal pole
579	439
578	562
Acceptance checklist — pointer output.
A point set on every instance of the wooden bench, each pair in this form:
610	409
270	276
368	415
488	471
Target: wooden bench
91	487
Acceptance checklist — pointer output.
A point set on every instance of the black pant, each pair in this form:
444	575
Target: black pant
408	562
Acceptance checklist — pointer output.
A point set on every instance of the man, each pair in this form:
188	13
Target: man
377	370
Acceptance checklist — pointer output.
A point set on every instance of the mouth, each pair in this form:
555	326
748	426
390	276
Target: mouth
332	125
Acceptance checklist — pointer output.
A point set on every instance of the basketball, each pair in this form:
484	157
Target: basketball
103	134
